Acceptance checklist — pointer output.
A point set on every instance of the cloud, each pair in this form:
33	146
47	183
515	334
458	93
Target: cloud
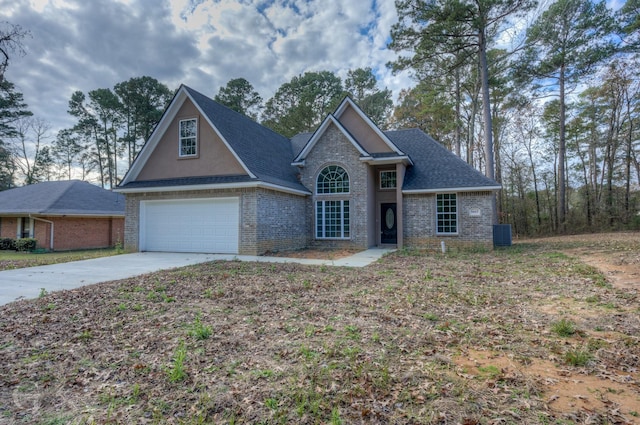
85	45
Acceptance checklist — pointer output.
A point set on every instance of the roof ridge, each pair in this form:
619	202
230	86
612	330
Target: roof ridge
55	200
239	114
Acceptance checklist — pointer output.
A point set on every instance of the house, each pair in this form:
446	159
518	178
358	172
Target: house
63	215
212	180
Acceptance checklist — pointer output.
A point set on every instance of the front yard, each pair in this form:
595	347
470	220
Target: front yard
531	334
17	260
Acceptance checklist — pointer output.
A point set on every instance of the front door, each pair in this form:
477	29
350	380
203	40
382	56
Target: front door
388	224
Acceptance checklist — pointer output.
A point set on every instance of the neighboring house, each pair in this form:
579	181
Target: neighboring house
212	180
63	215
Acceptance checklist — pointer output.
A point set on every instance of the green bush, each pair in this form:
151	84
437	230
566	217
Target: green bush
26	244
7	244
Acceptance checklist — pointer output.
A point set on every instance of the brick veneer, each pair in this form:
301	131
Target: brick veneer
333	148
269	220
420	220
71	232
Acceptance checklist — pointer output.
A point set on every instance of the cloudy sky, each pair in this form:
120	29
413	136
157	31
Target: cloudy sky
85	45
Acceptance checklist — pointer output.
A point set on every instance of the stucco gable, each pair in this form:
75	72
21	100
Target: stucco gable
214	157
364	130
251	149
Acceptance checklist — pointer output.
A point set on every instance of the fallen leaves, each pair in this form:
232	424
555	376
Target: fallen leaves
460	338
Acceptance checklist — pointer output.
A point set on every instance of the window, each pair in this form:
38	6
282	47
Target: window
25	229
447	213
189	137
387	179
332	215
332	219
333	179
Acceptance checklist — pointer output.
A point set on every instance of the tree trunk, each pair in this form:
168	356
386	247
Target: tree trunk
486	114
562	185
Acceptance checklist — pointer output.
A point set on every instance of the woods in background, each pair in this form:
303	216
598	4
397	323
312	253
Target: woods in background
543	98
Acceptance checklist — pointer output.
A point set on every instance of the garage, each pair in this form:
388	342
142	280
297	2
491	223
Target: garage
190	225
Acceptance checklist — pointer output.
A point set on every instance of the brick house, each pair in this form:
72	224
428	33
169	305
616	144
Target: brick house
63	215
212	180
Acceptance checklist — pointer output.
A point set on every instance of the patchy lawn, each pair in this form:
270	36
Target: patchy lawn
18	260
529	334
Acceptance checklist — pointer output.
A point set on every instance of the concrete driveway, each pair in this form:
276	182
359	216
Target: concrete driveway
27	283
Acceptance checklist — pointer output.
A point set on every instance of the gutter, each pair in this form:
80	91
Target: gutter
46	221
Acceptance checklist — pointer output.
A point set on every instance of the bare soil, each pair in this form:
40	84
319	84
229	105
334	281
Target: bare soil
417	338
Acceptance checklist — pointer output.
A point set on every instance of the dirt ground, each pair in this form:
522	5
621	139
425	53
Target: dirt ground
618	258
420	337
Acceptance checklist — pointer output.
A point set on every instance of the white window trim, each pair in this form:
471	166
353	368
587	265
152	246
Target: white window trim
457	216
322	219
336	193
20	230
180	138
380	178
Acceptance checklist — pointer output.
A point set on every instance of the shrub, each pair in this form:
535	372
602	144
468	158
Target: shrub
7	244
26	244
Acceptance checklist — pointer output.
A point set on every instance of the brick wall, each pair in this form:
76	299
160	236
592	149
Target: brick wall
473	229
8	227
333	148
80	233
281	221
71	232
269	220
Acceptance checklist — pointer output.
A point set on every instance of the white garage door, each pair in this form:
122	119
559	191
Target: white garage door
190	225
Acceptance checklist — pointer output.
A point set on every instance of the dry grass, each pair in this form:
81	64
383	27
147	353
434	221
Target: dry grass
419	337
16	260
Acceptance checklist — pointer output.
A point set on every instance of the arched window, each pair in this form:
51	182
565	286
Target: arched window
332	179
332	214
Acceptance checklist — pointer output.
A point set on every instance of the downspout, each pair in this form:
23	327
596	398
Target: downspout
46	221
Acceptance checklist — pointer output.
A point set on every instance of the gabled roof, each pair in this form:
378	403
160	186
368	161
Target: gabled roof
263	153
318	134
346	103
69	197
434	167
303	147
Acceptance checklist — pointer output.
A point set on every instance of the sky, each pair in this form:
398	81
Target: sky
90	44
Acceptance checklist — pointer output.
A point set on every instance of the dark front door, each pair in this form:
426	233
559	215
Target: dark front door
388	224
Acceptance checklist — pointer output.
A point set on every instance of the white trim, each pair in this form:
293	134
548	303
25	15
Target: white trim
332	193
452	189
319	132
387	160
226	143
324	227
343	106
193	155
214	186
457	232
167	118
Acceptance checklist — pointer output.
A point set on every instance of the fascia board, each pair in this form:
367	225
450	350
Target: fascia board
453	189
320	131
224	140
155	137
217	186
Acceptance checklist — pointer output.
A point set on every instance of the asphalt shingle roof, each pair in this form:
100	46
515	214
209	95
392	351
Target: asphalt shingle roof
69	197
435	167
267	154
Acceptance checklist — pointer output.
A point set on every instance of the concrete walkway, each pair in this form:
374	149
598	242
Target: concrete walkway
28	282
